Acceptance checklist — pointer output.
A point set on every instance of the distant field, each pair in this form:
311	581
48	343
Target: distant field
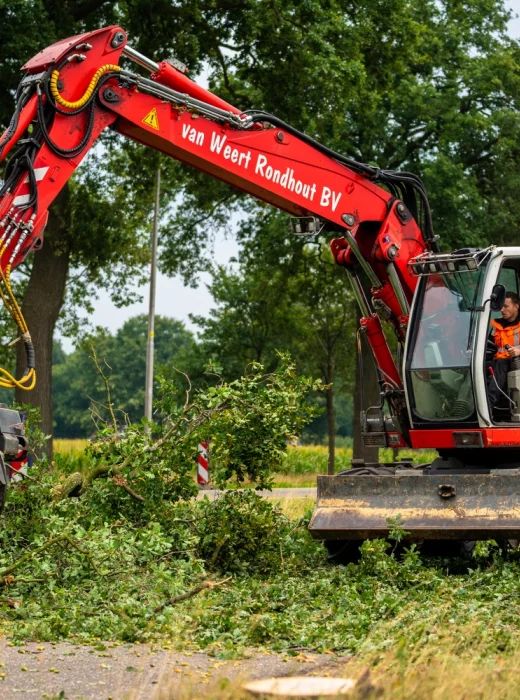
70	447
312	459
303	462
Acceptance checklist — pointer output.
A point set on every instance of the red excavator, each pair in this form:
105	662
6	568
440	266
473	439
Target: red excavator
433	387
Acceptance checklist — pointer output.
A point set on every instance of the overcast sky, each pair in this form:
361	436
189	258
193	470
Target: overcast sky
177	301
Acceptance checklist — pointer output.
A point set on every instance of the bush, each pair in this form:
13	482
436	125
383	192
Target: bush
242	533
99	552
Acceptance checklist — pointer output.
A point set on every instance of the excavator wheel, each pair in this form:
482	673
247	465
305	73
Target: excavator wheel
343	551
462	549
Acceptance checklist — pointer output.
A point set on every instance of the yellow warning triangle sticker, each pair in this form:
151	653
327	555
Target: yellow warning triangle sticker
152	120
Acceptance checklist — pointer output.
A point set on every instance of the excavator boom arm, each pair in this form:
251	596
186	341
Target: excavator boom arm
78	87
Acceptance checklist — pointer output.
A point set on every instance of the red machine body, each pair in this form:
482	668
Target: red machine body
76	88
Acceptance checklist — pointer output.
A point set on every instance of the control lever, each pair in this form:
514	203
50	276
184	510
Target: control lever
515	361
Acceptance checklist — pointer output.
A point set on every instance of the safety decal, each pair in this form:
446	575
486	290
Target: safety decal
152	120
24	191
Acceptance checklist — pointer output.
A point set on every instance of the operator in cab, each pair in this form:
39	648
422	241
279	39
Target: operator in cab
506	337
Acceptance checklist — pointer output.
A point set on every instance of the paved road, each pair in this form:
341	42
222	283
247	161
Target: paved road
212	494
140	672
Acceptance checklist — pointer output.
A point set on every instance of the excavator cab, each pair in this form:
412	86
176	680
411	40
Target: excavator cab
449	350
471	491
442	345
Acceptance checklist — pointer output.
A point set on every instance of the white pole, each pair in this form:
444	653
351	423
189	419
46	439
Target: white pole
148	399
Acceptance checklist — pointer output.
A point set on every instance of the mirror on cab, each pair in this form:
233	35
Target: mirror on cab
498	297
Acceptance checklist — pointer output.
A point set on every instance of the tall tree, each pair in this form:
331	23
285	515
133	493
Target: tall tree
327	318
432	87
299	302
78	386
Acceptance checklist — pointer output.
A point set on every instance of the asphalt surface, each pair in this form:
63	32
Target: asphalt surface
139	672
212	494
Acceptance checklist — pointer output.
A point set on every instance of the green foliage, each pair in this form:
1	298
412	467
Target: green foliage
79	570
261	413
298	460
248	423
430	87
365	609
97	564
297	303
396	531
88	580
243	532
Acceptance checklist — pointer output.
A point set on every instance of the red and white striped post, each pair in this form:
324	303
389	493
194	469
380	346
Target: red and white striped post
203	464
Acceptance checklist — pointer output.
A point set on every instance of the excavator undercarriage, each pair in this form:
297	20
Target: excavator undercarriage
426	505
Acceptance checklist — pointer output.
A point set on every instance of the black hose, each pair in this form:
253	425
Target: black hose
21	101
408	183
70	152
31	358
65	152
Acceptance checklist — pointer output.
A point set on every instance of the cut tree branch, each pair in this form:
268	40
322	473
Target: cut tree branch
107	387
189	594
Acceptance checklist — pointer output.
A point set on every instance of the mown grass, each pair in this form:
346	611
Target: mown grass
410	629
295	508
424	628
446	678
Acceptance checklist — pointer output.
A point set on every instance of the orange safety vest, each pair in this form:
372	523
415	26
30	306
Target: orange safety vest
505	336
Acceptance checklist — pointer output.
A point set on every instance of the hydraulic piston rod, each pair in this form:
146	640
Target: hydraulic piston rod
375	282
138	58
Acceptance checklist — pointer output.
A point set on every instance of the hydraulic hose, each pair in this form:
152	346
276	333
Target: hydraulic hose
28	381
389	177
78	104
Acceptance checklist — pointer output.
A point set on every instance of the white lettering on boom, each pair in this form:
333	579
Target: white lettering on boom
285	179
196	137
217	142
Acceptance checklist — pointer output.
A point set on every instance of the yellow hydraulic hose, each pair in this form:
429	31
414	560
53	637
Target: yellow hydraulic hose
53	84
28	381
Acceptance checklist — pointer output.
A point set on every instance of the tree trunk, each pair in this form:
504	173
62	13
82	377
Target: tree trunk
41	307
331	418
371	396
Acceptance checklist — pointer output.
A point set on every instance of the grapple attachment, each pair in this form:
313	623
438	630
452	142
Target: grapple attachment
427	506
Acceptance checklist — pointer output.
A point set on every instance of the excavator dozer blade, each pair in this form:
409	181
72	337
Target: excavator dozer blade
433	506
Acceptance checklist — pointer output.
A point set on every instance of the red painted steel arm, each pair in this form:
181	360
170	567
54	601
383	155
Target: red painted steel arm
76	88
